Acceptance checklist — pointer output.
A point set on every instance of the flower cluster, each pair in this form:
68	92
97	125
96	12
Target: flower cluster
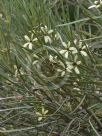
69	50
73	51
44	33
70	66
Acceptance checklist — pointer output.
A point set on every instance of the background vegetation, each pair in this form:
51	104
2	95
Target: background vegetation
50	68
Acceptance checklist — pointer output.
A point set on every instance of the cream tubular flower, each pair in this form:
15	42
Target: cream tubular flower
52	59
74	65
64	69
47	39
82	49
57	36
96	4
67	49
42	114
45	30
29	41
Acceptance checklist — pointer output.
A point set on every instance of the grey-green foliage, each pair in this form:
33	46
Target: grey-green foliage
73	100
